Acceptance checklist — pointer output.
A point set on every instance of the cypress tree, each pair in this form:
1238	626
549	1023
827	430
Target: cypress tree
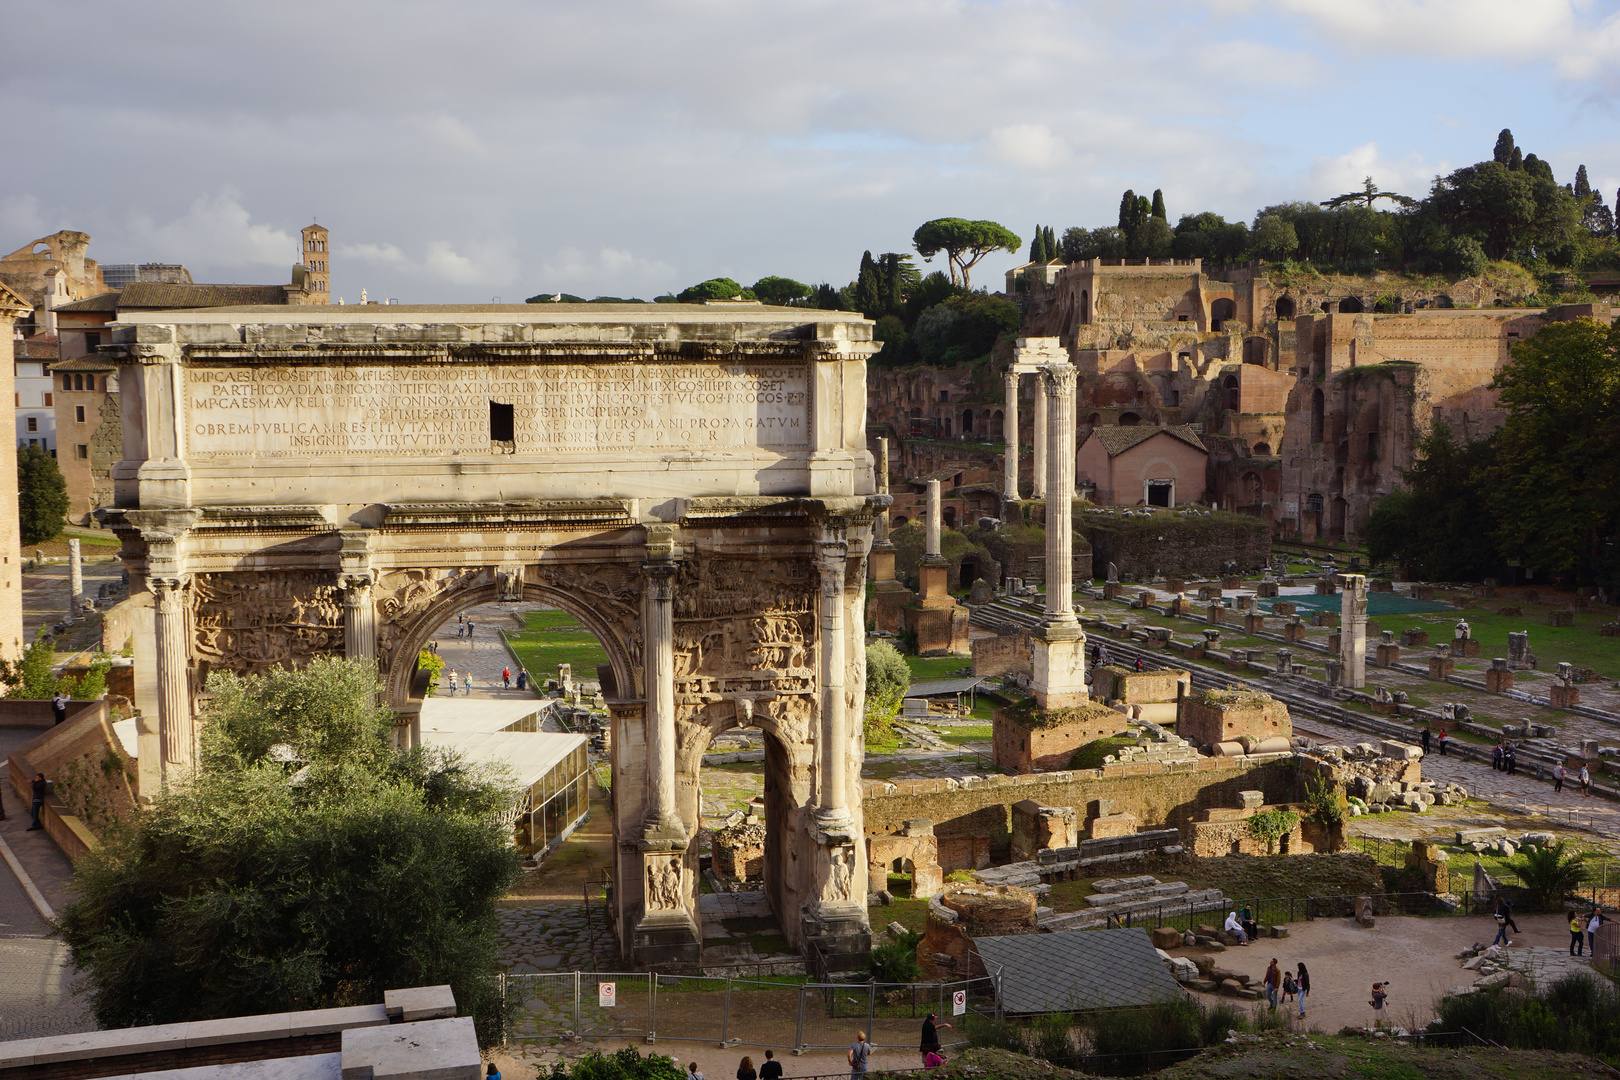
1515	161
42	499
1504	147
1583	186
868	293
1158	205
1035	244
1051	243
1127	210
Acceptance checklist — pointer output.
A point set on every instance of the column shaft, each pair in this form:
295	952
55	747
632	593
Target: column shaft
177	730
75	580
833	788
1058	386
934	519
662	817
359	620
1037	441
1009	428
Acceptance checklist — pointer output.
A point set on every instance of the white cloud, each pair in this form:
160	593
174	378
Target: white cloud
216	230
1031	145
374	254
609	272
444	131
1340	173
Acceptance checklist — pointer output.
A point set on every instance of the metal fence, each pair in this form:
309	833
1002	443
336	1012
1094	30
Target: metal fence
787	1015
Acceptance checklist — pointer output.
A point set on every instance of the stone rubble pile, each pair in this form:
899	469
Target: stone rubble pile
1368	796
1493	965
1495	841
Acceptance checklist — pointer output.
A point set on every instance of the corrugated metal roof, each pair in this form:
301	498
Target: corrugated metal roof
1073	970
942	687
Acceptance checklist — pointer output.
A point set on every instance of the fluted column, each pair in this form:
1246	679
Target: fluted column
1037	441
833	790
880	527
1009	428
663	821
935	516
359	618
75	581
176	727
1057	382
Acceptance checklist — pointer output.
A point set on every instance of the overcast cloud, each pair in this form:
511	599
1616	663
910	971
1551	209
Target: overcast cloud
460	152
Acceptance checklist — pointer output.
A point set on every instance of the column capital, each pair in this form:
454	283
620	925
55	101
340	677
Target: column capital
1058	379
356	587
167	590
660	579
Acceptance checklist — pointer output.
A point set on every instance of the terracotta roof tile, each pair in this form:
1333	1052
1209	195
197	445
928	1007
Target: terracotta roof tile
1117	440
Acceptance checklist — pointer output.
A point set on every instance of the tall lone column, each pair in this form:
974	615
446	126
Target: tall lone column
1037	441
1009	428
662	819
177	730
75	581
833	790
1058	383
934	520
881	525
1353	630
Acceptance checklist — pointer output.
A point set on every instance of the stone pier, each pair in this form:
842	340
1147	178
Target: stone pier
1353	630
941	624
1059	674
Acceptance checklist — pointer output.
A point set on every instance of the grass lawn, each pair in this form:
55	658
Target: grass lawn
956	736
1090	756
1579	644
552	638
935	668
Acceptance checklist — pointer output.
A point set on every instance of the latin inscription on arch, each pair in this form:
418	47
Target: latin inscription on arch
443	409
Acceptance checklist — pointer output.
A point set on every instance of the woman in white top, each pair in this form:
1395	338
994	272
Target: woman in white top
1234	927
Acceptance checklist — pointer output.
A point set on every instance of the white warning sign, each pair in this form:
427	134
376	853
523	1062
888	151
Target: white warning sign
959	1003
607	994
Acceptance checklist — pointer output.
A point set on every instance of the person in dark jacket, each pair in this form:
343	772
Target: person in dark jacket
41	787
745	1071
930	1036
770	1068
1302	986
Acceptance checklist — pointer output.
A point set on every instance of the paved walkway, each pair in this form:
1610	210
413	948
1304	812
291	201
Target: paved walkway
36	996
484	654
553	938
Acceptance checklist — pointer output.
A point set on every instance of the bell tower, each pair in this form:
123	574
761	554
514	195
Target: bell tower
317	278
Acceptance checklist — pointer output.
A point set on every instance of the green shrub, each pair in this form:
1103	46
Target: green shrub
626	1064
895	960
1550	873
1269	826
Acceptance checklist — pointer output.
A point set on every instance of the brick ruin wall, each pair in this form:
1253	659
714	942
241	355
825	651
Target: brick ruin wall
1172	548
1156	795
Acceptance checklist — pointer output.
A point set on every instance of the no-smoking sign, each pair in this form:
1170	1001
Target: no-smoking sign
607	994
959	1003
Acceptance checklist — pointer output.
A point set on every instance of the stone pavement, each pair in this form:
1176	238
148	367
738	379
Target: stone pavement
45	591
484	654
36	996
1519	792
552	938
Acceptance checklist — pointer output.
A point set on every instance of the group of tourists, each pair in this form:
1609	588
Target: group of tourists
858	1056
1287	986
1585	779
1583	931
1505	758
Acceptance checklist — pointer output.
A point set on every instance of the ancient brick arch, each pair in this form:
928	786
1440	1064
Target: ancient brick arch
692	484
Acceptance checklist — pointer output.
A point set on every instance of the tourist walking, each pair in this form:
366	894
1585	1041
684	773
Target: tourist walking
693	1072
1577	935
39	787
1442	742
523	679
930	1037
1302	986
506	678
1273	982
1558	777
1504	918
1586	782
1511	756
745	1071
492	1073
859	1051
1597	920
770	1069
59	704
1423	740
1379	997
1496	757
466	683
452	682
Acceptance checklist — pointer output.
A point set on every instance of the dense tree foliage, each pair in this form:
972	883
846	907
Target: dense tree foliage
1542	492
720	288
306	865
780	291
42	499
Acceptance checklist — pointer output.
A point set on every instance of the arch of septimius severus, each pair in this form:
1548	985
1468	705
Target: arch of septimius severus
691	483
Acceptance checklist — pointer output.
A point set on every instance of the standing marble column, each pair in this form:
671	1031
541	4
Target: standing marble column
1353	629
935	516
1037	441
1058	382
359	618
833	789
881	525
176	727
662	820
1009	428
75	581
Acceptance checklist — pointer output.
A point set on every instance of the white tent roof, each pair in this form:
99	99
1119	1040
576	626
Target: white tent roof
470	714
530	755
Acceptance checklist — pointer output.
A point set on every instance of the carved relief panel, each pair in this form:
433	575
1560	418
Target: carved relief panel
252	622
745	625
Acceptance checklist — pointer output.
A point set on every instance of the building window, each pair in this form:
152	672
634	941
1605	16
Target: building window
33	425
49	399
82	451
92	341
78	414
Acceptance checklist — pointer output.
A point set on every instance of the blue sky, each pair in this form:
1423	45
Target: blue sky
464	152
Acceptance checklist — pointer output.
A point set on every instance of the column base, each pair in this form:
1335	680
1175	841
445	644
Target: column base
666	937
1058	673
838	935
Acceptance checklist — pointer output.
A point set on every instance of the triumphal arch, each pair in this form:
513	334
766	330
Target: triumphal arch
690	482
